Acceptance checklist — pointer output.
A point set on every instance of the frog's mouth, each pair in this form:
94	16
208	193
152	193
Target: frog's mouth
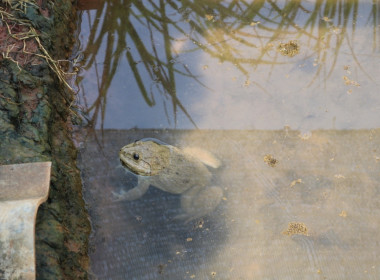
123	164
141	168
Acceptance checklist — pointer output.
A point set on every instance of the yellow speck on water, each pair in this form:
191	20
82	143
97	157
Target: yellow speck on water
298	181
349	82
192	276
253	23
325	194
209	16
326	19
213	273
205	67
189	239
347	69
336	30
296	228
339	176
257	221
224	198
305	136
343	214
349	91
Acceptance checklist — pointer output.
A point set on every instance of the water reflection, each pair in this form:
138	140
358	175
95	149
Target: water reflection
289	94
178	55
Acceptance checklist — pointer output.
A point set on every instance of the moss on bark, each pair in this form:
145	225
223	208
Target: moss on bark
35	126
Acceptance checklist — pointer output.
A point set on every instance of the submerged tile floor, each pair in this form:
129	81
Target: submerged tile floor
295	206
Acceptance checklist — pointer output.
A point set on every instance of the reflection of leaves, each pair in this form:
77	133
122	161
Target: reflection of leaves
140	83
118	24
222	29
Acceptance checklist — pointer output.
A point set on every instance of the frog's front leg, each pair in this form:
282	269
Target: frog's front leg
135	193
199	201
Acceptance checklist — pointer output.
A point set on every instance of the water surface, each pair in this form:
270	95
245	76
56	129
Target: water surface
221	65
283	93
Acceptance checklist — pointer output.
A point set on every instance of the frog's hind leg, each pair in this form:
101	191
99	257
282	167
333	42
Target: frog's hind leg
132	194
199	201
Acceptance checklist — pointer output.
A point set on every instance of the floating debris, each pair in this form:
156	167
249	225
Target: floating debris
254	23
247	83
298	181
343	214
161	268
296	228
289	49
349	82
270	160
326	19
209	17
306	135
347	69
336	30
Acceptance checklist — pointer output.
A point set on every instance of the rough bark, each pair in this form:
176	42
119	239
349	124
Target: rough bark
35	119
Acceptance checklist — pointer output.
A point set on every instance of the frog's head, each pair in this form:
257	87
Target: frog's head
146	157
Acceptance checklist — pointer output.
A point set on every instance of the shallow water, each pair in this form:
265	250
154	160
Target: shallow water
327	184
287	81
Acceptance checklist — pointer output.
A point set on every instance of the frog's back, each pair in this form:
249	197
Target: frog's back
182	172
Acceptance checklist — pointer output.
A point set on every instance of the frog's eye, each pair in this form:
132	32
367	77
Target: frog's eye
136	156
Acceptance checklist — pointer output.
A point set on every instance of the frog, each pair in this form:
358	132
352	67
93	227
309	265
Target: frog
185	172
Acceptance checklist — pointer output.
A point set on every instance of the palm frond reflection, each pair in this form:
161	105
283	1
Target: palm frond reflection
155	35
